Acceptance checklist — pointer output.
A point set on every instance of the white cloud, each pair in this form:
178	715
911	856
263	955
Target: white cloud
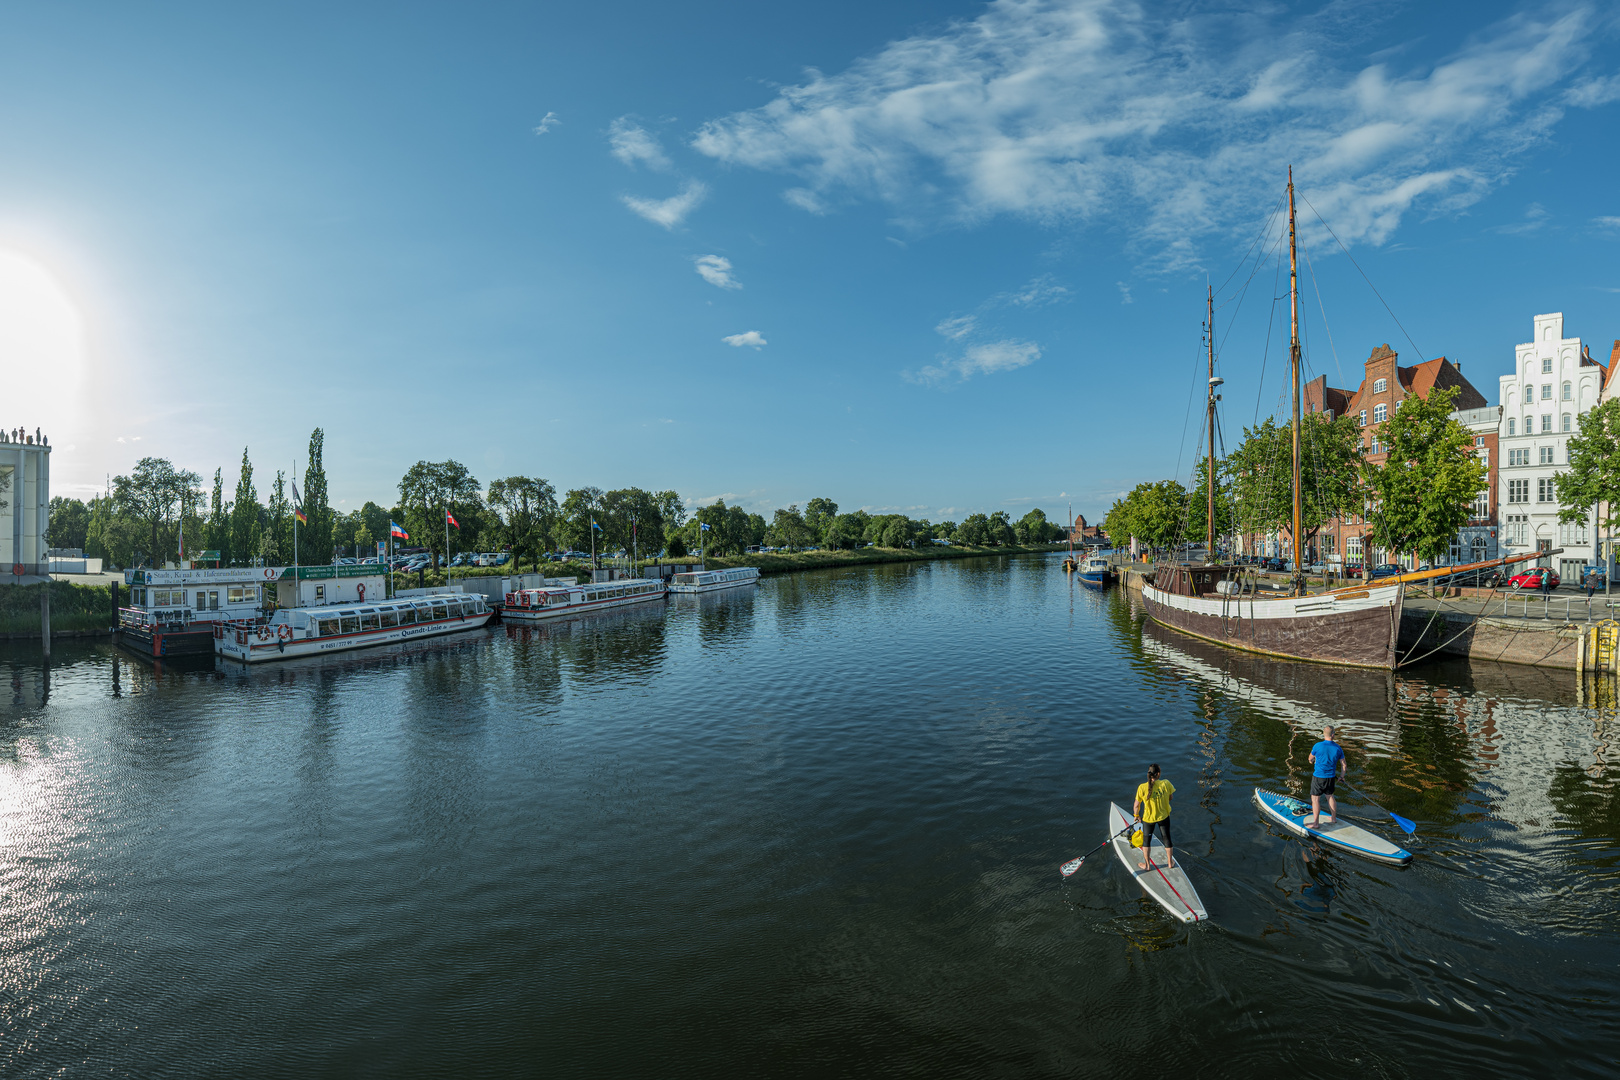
752	337
716	270
672	211
547	122
1125	293
633	144
957	328
1038	293
982	359
1607	222
1177	119
1535	216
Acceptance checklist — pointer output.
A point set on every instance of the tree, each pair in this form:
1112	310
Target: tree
377	520
245	516
1033	528
789	529
1593	477
528	512
427	490
673	512
218	531
1151	512
973	532
1198	503
578	510
315	533
819	514
151	494
1426	488
70	523
275	547
1260	476
632	519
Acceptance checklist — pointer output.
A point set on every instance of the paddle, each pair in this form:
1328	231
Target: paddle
1074	864
1405	823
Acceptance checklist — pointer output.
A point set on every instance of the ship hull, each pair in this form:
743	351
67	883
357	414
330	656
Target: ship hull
1358	628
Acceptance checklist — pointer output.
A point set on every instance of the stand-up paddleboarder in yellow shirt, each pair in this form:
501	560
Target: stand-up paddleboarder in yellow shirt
1152	809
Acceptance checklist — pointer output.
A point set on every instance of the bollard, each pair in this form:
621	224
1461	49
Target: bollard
45	618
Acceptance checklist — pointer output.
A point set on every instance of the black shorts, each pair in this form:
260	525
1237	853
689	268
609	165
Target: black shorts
1323	785
1164	833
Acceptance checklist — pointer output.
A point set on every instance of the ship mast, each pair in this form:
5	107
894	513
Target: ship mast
1293	363
1209	474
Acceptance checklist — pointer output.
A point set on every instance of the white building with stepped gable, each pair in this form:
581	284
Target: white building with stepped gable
25	491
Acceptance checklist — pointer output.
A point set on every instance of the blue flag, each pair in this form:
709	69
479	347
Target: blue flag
703	526
595	526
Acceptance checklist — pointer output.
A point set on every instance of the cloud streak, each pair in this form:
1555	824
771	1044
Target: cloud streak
634	145
547	122
983	359
716	270
672	211
1179	120
752	338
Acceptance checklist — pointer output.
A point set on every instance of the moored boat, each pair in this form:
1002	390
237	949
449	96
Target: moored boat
173	612
532	605
295	632
702	581
1096	572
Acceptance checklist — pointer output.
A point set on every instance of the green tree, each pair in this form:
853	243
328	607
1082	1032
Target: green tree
1198	503
315	534
1260	477
579	508
245	511
365	544
275	547
151	495
1151	512
973	532
218	531
632	519
1593	476
820	514
789	529
70	523
430	488
1033	528
527	507
672	510
1425	489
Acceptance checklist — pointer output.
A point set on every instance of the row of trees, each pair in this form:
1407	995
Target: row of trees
1415	501
148	512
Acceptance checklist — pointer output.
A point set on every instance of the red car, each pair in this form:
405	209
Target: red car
1531	579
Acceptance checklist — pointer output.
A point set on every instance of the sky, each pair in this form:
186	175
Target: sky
937	258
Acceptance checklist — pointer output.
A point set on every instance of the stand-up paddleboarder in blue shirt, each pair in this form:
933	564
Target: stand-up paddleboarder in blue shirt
1328	757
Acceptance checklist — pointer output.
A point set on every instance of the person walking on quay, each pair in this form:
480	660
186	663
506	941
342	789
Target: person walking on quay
1591	583
1546	583
1327	757
1152	809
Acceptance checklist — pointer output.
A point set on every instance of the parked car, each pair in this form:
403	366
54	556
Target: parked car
1531	579
1275	565
1384	570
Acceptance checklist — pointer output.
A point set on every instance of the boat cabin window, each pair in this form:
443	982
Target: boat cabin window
467	607
441	610
328	627
368	620
390	617
407	616
349	623
242	594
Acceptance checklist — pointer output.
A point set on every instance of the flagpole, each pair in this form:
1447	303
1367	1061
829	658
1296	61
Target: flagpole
297	591
447	545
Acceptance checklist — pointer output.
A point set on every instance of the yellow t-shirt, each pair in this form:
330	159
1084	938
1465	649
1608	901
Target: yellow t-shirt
1158	807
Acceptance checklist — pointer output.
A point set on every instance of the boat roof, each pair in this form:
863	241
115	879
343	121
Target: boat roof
395	603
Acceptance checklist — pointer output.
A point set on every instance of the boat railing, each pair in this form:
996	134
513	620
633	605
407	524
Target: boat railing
163	619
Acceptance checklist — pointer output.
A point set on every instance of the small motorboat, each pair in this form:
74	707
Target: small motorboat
1096	572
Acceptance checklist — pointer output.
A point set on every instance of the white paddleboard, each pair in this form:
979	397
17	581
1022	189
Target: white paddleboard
1169	887
1293	815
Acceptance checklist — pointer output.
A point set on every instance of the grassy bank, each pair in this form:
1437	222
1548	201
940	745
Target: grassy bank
73	607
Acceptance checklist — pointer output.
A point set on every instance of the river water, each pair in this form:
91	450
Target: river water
812	829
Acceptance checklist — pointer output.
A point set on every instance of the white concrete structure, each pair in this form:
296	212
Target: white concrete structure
1552	384
25	488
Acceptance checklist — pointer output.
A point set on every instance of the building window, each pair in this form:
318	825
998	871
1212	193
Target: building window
1481	509
1545	491
1485	457
1516	529
1546	422
1380	412
1518	491
1329	414
1477	551
1380	385
1352	547
1546	391
1479	440
1567	392
1565	426
1546	454
1363	417
1529	394
1511	426
1546	364
1573	534
1520	456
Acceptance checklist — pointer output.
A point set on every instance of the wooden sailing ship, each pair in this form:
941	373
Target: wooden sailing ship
1359	625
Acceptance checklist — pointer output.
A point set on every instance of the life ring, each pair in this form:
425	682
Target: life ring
17	569
264	633
360	590
284	632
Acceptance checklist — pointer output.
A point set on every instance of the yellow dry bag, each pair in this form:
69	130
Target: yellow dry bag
1136	835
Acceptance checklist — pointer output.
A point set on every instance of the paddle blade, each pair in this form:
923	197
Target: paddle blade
1405	823
1072	865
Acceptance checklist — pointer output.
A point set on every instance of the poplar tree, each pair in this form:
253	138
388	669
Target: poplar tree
315	534
276	546
245	516
219	535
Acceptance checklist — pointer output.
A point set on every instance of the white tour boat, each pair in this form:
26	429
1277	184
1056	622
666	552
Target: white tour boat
294	632
701	581
532	605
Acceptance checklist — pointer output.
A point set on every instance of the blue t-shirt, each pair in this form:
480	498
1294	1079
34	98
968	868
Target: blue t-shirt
1328	756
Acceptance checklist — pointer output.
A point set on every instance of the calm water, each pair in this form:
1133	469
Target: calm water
812	830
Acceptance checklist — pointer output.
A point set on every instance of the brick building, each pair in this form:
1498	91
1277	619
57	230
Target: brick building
1384	385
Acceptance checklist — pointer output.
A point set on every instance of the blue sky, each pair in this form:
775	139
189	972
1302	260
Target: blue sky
939	257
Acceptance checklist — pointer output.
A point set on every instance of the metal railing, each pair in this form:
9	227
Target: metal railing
1589	608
